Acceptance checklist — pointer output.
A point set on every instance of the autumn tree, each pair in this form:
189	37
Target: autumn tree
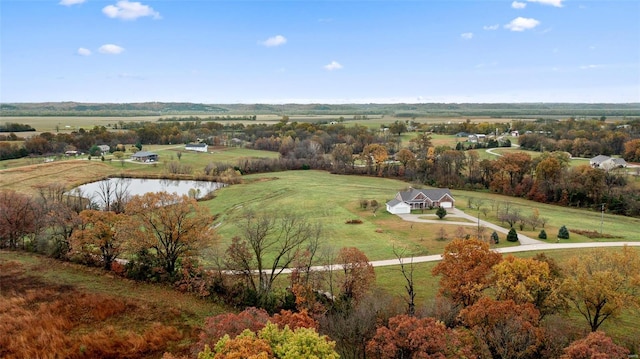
595	345
342	155
602	284
508	330
173	226
398	127
465	270
375	154
358	274
19	218
407	272
405	157
420	145
632	151
410	337
98	235
273	342
270	243
527	280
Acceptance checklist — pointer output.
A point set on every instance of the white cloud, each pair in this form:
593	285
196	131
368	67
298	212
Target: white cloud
467	35
274	41
556	3
589	67
491	27
84	52
522	24
333	65
518	5
70	2
126	10
110	49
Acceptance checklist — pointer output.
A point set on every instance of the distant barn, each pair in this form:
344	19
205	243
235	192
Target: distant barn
198	147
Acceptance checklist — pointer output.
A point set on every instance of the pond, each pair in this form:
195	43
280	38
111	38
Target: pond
114	189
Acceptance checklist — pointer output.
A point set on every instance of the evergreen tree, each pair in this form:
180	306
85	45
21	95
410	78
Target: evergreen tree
441	212
542	235
563	233
512	236
495	238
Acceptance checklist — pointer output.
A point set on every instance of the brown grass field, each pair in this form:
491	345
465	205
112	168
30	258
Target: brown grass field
27	179
53	309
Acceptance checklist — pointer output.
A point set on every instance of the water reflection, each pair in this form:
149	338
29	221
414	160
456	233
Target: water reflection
117	190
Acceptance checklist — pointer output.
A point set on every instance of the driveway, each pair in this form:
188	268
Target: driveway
454	212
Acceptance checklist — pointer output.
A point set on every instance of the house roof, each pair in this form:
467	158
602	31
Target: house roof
394	202
196	145
144	154
599	159
434	194
619	161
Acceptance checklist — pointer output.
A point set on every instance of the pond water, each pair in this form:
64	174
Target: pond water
117	187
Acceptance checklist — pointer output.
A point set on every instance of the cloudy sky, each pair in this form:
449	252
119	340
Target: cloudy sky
356	51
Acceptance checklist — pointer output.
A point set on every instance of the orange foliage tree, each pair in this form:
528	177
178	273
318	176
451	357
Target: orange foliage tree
173	226
409	337
595	345
465	269
98	235
504	328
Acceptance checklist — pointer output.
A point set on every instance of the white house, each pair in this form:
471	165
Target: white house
405	201
198	147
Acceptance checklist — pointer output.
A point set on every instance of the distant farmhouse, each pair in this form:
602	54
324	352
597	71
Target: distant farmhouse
144	156
198	147
405	201
607	163
104	149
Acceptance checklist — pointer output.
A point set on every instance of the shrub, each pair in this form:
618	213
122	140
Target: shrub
495	238
512	236
563	233
441	212
354	221
542	235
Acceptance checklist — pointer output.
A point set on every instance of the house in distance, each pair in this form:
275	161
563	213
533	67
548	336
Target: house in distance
198	147
144	156
412	198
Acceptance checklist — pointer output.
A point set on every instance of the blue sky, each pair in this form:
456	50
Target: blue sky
267	51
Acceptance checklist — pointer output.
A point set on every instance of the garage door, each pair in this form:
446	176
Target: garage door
446	205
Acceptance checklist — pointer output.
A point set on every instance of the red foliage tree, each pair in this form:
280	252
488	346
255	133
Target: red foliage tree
410	337
18	218
358	273
294	320
595	346
233	324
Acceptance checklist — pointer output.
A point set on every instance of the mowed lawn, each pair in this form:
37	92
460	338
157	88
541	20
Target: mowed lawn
332	200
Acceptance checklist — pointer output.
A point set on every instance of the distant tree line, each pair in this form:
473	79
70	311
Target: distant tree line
15	127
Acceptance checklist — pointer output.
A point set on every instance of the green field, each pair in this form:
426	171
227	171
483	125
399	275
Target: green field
333	199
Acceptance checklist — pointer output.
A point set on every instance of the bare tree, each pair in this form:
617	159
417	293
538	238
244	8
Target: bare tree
270	243
407	273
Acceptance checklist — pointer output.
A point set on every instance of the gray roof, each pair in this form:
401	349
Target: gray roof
619	161
434	194
599	159
394	202
144	154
